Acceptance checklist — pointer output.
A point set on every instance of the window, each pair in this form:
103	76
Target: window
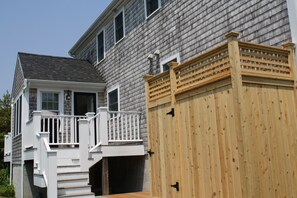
50	101
151	6
17	112
100	47
119	26
165	63
113	100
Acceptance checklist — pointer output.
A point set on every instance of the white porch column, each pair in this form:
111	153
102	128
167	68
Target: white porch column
83	143
103	132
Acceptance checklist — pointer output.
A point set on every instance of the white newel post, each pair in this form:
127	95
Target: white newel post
52	189
83	143
103	133
36	137
92	129
36	126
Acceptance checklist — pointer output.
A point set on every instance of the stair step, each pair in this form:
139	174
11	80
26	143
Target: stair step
80	195
72	182
74	190
73	175
68	168
66	161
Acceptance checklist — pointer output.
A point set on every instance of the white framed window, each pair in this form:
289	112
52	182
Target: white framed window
17	115
119	26
151	6
113	99
164	63
100	42
50	101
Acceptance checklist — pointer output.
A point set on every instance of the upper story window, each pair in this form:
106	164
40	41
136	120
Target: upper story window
50	101
119	26
165	63
17	115
100	46
113	100
151	6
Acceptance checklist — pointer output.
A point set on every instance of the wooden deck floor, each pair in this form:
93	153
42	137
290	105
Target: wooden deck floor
130	195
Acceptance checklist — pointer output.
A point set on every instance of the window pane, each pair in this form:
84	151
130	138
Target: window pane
119	27
100	46
151	6
166	65
50	101
113	100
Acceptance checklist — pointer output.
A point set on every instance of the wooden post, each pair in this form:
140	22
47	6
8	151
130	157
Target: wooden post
105	176
147	93
237	89
291	47
172	65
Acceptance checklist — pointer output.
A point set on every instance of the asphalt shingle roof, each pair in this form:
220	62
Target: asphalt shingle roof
43	67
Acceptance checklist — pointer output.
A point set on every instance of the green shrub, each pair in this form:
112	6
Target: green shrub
3	177
7	190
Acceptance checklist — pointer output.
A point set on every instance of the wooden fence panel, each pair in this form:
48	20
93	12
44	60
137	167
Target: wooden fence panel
163	144
234	132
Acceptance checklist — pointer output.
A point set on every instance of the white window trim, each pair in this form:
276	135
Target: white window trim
166	60
145	9
102	30
61	99
114	27
119	100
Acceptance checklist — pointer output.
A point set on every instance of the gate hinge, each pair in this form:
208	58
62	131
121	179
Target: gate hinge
171	112
150	152
176	186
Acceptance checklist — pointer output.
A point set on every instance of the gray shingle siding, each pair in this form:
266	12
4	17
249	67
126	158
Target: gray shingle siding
18	81
17	150
32	101
185	27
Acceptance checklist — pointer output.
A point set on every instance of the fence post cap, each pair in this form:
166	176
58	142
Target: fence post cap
288	45
231	36
147	77
172	64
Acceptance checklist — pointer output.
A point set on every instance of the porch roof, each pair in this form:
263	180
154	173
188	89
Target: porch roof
52	68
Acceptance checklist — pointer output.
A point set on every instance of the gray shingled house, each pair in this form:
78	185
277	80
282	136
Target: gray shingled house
79	124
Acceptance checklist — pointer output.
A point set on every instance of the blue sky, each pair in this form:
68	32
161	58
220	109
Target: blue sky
41	27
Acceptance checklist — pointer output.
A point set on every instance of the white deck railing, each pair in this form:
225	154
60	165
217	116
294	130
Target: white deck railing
123	126
63	129
7	144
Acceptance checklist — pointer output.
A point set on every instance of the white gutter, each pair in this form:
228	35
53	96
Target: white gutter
66	84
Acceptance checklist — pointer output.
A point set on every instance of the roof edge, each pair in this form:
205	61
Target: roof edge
99	21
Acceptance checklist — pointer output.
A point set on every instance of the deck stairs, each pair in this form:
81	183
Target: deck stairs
72	181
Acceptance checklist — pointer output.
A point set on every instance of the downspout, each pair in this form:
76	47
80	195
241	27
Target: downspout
25	85
292	12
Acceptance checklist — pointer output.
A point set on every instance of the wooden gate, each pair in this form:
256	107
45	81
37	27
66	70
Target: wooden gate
224	124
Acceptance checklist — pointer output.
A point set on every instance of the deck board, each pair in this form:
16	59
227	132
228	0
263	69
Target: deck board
129	195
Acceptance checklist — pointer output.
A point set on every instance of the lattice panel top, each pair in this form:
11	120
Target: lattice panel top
159	86
210	66
264	60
